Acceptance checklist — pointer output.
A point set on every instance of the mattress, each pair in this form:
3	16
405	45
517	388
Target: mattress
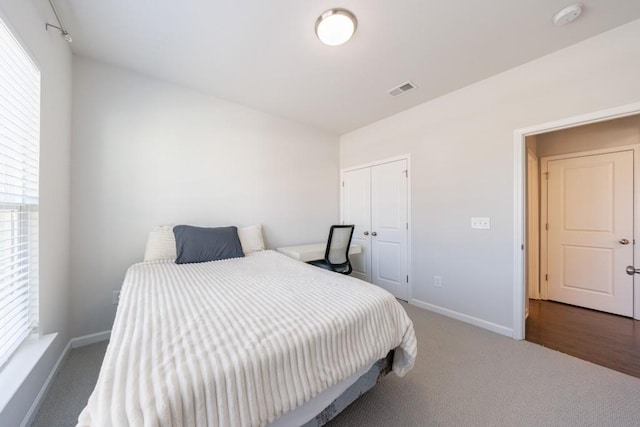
239	342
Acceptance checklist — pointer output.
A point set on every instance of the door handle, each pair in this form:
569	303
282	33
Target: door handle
374	234
631	270
623	241
366	233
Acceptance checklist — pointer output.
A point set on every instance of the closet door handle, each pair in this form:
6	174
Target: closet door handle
374	234
366	233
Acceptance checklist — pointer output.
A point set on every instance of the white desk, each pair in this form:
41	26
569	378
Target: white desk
315	251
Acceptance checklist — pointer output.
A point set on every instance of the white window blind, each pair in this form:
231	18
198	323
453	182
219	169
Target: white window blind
19	161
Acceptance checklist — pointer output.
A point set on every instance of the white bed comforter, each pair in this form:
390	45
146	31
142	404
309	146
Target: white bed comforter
239	342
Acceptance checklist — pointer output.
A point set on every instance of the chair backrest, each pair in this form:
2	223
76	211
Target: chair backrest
337	252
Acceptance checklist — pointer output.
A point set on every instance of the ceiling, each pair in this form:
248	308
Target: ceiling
264	53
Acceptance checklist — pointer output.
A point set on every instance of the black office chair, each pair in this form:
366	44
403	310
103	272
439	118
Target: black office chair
336	256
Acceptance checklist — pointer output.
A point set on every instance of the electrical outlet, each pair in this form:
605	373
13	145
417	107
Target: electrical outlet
437	281
481	223
116	297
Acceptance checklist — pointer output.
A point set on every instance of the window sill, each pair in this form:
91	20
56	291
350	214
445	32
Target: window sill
18	368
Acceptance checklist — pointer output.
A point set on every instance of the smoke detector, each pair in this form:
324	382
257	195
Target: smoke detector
402	89
568	14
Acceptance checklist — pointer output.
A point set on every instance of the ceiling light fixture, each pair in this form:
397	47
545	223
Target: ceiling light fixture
336	26
568	14
59	27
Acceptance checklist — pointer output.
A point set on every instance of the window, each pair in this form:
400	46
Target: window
19	158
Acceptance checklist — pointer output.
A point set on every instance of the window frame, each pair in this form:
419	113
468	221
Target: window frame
27	212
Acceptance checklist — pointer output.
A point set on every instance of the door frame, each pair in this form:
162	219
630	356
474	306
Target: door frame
544	243
406	157
519	211
533	233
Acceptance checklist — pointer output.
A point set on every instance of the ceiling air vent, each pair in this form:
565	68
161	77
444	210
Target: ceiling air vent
402	89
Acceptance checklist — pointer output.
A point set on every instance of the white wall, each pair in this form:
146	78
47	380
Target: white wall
612	133
53	57
146	153
462	165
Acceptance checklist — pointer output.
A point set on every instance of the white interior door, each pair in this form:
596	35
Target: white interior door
590	231
356	209
389	227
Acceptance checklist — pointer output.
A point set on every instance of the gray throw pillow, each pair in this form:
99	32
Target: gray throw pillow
198	244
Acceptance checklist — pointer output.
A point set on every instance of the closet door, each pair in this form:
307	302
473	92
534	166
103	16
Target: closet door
389	227
356	209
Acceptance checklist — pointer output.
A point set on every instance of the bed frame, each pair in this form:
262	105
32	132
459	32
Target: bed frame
365	383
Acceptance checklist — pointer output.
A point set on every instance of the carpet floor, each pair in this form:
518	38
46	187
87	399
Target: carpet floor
464	376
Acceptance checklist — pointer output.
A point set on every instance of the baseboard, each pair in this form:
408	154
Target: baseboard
493	327
90	339
29	418
73	343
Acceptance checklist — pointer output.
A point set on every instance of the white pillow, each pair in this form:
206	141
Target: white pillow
251	239
161	243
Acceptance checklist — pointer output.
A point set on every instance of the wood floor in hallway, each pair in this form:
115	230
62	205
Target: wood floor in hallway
602	338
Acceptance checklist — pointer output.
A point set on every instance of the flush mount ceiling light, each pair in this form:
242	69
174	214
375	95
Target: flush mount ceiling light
568	14
336	26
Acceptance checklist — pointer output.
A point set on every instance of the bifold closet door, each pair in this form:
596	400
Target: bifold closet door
375	200
356	209
389	227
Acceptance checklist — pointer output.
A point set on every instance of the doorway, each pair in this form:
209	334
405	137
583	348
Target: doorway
580	201
521	243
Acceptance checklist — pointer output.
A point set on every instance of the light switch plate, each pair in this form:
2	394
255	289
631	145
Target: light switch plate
481	223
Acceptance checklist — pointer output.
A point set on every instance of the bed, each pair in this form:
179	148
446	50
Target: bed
253	341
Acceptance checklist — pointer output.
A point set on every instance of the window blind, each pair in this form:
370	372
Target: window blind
19	176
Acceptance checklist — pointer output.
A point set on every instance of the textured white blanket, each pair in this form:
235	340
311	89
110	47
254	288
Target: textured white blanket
239	342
